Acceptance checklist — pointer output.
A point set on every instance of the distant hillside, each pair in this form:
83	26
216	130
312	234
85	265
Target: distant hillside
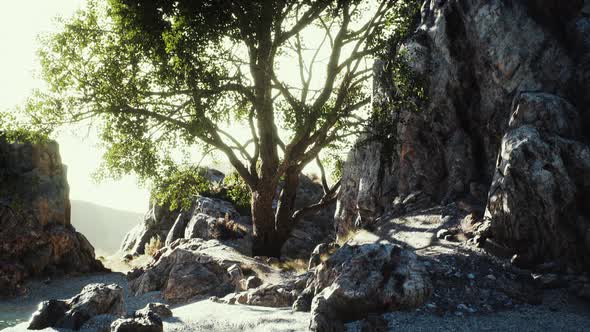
103	226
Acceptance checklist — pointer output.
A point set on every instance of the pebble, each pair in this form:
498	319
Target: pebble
442	233
462	307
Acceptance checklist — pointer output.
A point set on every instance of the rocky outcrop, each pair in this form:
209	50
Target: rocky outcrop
36	236
168	225
214	218
503	125
192	268
93	300
208	218
362	279
157	222
278	295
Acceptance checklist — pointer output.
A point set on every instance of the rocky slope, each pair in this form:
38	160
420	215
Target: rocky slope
36	237
214	218
503	128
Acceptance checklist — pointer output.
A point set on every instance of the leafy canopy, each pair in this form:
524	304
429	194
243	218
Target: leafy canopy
161	75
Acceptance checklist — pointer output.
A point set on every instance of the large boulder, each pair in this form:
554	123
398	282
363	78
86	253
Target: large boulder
278	295
491	105
149	322
362	279
168	225
93	300
207	218
541	184
192	268
36	236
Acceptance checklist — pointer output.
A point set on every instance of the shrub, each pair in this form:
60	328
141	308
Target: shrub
237	192
152	247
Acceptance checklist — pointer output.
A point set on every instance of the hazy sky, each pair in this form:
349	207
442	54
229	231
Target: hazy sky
20	23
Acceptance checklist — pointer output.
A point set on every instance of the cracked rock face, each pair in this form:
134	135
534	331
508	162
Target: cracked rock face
36	236
506	111
362	279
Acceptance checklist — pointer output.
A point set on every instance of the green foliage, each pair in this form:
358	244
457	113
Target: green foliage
13	130
179	187
237	192
408	88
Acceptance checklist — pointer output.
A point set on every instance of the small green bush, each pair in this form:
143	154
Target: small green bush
237	192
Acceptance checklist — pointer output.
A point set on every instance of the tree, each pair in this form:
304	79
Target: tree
158	74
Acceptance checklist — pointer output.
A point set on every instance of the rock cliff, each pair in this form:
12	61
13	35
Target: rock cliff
503	127
36	236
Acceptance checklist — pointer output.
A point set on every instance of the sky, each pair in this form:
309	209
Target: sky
20	23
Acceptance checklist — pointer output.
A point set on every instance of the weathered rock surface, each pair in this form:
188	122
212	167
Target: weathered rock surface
93	300
192	268
214	218
278	295
505	117
36	236
208	218
362	279
149	322
160	309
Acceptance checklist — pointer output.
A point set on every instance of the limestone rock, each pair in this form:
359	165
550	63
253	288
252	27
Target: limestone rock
36	236
93	300
149	322
361	279
191	268
504	117
160	309
277	296
321	252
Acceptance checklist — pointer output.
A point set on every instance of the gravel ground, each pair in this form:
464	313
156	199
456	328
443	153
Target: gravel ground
523	319
205	315
17	310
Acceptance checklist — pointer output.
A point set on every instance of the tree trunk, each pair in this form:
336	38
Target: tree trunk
266	239
271	229
286	204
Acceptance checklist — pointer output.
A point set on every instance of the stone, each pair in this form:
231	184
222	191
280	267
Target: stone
93	300
359	279
280	295
252	282
320	252
502	126
160	309
314	228
547	280
441	234
142	323
36	235
192	268
207	218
